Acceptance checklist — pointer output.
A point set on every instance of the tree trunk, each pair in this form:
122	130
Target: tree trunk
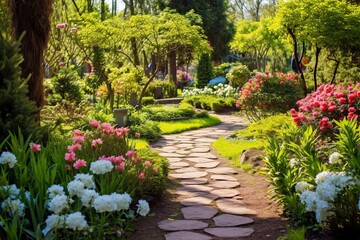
33	18
335	71
172	66
317	53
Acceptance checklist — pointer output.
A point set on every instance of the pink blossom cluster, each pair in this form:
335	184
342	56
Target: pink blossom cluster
35	147
61	25
108	129
329	102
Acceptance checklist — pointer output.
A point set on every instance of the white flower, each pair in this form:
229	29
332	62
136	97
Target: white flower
302	186
53	221
335	158
75	188
13	207
101	167
76	221
122	201
58	203
309	199
320	177
326	191
87	179
105	203
323	210
55	190
294	162
143	208
12	190
8	158
88	197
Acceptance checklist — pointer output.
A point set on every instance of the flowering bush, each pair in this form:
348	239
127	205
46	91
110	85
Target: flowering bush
328	103
268	94
218	90
183	78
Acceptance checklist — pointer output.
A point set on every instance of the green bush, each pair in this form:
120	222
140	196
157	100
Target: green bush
167	113
16	111
224	68
169	88
204	71
213	103
147	100
238	75
139	122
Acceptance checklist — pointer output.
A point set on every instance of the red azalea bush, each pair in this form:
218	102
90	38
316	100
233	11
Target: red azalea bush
269	94
328	103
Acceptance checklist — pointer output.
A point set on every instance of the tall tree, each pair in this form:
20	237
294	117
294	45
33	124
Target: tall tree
33	18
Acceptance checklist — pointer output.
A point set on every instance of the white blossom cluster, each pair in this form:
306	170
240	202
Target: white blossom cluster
83	187
101	167
12	204
335	158
219	90
329	186
8	158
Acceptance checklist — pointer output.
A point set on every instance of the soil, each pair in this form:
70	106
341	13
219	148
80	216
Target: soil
269	224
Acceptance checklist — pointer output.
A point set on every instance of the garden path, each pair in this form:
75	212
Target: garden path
211	203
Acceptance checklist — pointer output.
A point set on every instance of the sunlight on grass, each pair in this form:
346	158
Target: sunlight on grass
171	127
141	143
232	149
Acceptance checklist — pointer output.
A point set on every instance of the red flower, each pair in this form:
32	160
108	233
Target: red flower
35	147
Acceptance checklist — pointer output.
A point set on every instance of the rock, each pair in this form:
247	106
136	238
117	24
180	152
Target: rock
223	177
198	212
185	235
177	225
205	199
222	170
230	232
229	220
252	156
224	184
207	164
194	181
234	206
194	188
188	175
177	165
225	193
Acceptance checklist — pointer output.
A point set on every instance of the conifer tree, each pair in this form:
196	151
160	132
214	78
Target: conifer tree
204	71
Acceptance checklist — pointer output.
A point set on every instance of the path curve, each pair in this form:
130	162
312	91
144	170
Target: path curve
211	203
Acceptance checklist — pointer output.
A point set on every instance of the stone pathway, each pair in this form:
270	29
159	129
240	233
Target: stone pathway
211	204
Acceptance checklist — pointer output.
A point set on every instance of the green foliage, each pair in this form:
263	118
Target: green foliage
204	71
170	127
168	113
65	86
169	88
148	129
213	103
238	75
16	111
295	234
148	100
224	68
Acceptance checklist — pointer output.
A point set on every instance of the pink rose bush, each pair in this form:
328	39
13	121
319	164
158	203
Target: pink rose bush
268	94
328	103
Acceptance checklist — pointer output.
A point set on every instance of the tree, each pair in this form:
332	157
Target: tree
33	18
204	71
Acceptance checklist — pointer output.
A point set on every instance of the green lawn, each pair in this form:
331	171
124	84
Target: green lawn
170	127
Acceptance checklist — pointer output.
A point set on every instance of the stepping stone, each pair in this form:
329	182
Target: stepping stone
203	155
184	152
225	193
206	140
188	175
191	194
199	212
185	145
207	165
234	206
194	181
199	160
177	165
205	199
223	177
167	150
228	220
224	184
172	155
230	232
178	225
200	150
172	160
185	235
195	188
222	170
186	169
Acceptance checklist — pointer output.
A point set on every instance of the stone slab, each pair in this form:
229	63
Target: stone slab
186	169
234	206
194	181
230	232
225	193
191	194
205	199
223	177
212	164
199	160
184	145
171	160
200	150
178	225
207	140
222	170
198	212
188	175
229	220
184	152
186	235
224	184
177	165
203	155
194	188
172	155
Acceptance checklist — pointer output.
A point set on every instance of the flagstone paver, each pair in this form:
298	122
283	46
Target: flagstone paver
192	164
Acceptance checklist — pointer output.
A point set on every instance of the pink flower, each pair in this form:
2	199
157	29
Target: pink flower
281	82
351	109
61	25
142	175
119	159
78	139
130	153
95	142
147	163
35	147
135	159
94	123
120	166
73	30
342	100
137	135
70	156
79	163
73	148
76	133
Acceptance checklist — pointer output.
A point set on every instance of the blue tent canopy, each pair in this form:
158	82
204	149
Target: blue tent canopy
217	80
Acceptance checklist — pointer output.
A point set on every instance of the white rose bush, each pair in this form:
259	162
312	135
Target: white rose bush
318	181
89	186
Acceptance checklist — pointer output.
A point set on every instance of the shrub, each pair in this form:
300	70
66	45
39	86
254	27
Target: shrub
16	111
204	71
328	103
269	94
167	113
138	122
238	75
224	68
208	102
218	90
169	89
148	100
